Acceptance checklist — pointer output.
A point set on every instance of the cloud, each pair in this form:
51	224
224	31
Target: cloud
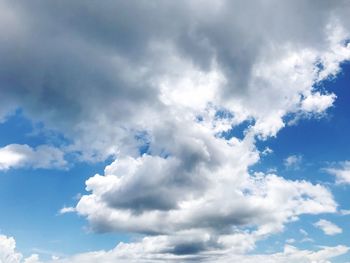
43	156
171	196
317	102
103	76
341	174
155	249
157	94
344	212
138	253
328	227
293	162
65	210
8	253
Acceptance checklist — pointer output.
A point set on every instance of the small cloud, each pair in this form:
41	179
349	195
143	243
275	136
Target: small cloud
66	210
328	227
290	241
303	232
344	212
293	162
306	236
267	151
342	173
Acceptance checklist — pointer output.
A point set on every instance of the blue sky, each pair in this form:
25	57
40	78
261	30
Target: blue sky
174	132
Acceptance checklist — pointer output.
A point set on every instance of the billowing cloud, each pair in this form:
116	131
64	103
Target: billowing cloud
43	156
98	75
8	253
328	227
162	94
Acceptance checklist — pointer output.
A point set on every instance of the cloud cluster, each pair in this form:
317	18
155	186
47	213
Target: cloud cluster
144	252
8	253
148	250
100	76
161	86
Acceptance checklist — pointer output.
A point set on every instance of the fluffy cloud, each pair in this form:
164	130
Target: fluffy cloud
146	252
171	85
201	187
43	156
99	76
8	253
328	227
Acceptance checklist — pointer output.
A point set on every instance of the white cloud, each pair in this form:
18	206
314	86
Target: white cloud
328	227
342	174
203	185
145	251
184	73
7	250
66	210
43	156
32	259
344	212
8	253
155	249
293	161
317	102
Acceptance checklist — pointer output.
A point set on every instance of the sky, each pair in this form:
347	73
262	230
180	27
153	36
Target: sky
174	131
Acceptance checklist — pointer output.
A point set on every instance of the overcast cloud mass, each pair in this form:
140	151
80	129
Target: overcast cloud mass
158	89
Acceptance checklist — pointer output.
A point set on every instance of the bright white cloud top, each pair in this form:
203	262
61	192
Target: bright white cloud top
156	85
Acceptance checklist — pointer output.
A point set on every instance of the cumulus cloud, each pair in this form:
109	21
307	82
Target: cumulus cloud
104	76
328	227
173	82
43	156
8	253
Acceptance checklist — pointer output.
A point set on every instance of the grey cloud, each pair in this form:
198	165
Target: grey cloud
63	62
101	73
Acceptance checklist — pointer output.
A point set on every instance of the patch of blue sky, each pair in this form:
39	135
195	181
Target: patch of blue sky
320	141
144	142
30	201
19	129
237	131
305	236
31	198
